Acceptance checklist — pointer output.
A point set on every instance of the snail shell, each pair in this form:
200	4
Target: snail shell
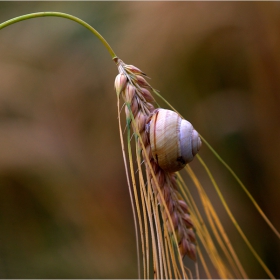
174	141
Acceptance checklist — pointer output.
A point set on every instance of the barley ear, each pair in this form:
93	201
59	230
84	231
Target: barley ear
162	186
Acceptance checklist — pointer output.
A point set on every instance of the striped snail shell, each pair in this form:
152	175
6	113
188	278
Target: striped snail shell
174	141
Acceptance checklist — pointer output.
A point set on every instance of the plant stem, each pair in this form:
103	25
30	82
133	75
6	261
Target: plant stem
63	15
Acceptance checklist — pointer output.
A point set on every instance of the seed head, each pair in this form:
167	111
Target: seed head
133	69
129	92
142	82
147	95
120	83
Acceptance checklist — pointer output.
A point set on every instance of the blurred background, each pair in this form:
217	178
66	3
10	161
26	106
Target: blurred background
64	202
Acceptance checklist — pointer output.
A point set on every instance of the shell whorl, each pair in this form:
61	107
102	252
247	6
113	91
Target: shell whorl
174	141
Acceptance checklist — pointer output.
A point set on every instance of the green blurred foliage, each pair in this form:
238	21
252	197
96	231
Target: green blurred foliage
64	203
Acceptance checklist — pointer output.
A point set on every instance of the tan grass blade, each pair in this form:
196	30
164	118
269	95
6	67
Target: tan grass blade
244	189
213	217
203	232
251	248
134	201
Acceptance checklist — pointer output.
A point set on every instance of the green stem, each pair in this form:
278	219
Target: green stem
63	15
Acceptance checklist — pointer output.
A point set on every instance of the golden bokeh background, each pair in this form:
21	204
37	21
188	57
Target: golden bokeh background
64	203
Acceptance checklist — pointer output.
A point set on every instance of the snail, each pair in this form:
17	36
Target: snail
174	141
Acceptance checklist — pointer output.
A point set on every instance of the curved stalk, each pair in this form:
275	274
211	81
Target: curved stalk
62	15
114	58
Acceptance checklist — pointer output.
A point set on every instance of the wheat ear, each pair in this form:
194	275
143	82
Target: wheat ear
136	92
